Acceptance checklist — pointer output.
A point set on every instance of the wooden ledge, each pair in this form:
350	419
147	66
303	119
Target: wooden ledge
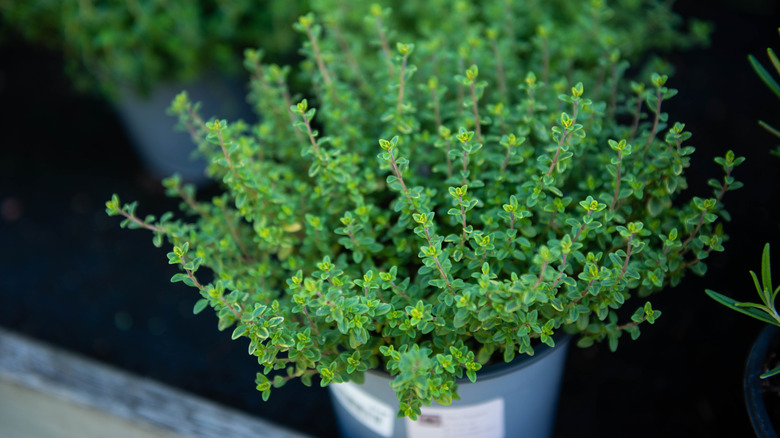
48	392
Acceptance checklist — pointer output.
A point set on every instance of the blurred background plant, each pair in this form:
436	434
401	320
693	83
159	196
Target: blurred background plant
139	43
138	54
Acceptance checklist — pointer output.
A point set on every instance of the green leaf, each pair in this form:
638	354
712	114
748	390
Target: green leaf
612	340
180	277
740	307
773	58
766	277
655	206
773	372
585	342
461	318
199	306
239	331
699	269
764	75
769	128
273	322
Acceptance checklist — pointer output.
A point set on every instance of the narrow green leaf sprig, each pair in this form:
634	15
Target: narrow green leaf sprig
771	83
764	311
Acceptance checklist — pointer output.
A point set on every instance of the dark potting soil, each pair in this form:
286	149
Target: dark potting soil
70	276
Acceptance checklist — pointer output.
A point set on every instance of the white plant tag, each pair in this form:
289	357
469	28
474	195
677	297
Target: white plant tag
372	412
485	420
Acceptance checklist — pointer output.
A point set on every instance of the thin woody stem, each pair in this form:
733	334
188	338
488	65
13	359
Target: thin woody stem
315	47
225	153
399	103
191	203
311	323
191	276
385	47
478	128
650	138
637	113
465	166
500	70
463	221
288	103
617	183
143	224
438	264
541	274
353	64
398	175
508	155
628	257
566	256
723	190
234	234
565	133
313	140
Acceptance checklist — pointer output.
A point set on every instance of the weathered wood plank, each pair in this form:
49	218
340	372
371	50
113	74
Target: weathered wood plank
28	367
27	413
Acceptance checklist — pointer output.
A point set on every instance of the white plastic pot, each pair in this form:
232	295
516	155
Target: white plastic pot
516	399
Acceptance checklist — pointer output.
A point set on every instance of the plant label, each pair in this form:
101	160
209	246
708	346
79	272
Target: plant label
484	420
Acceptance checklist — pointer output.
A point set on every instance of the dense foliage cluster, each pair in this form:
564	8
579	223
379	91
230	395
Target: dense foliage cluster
457	184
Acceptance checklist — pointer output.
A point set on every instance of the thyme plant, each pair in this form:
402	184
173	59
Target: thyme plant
446	193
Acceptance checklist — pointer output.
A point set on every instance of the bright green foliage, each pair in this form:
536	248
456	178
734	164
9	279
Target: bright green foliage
445	194
766	311
138	43
770	82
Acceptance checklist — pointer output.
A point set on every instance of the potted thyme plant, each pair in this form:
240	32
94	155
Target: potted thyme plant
140	54
434	207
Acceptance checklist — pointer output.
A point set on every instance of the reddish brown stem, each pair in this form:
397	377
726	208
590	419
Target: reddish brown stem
318	56
617	183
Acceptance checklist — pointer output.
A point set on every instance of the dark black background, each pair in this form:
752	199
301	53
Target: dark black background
71	277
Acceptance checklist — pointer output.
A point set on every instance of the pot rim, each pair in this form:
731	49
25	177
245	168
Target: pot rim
499	369
754	396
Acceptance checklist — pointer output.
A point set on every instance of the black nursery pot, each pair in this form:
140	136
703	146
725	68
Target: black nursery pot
754	394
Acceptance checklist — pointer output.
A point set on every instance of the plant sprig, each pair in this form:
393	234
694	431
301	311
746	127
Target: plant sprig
764	311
